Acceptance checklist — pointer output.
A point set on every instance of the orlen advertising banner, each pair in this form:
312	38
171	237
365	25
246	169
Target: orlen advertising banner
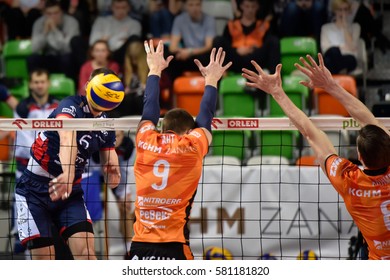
281	210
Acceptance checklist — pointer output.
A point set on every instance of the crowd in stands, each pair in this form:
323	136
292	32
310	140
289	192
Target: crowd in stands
74	37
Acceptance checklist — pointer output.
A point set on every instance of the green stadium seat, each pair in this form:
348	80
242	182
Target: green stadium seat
277	143
298	94
15	55
61	86
21	91
231	143
292	48
233	98
5	111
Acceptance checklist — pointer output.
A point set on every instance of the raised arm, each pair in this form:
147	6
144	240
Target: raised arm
272	84
212	73
320	77
157	63
61	186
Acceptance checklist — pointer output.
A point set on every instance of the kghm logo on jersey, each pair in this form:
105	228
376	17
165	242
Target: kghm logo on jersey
364	193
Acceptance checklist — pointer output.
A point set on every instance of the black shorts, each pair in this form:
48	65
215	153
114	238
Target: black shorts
160	251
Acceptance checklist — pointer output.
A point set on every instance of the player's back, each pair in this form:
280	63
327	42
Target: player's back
366	194
167	171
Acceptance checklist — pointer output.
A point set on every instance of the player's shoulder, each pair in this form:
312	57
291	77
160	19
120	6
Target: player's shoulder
75	106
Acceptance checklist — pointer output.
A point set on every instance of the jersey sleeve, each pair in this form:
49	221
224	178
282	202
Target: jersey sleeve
199	136
110	140
146	129
337	169
68	107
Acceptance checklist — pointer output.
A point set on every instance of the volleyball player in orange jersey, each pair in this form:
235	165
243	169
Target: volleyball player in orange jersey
366	192
168	164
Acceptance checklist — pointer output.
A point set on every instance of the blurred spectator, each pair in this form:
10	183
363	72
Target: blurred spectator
303	18
99	56
20	17
117	29
135	74
340	40
371	28
81	11
56	42
103	7
192	36
7	97
161	17
141	12
249	38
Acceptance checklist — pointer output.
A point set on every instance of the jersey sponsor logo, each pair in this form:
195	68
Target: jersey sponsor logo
181	150
149	147
146	128
19	123
333	167
142	201
196	134
135	257
242	123
364	193
47	124
385	180
71	111
382	245
149	216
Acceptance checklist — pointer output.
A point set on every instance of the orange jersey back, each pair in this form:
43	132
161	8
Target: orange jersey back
367	199
167	171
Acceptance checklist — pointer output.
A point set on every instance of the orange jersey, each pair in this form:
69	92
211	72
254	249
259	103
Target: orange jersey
367	199
253	39
167	171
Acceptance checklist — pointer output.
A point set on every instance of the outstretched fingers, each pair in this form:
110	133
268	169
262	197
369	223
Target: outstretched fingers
218	56
146	46
227	66
321	60
257	67
212	55
312	62
199	64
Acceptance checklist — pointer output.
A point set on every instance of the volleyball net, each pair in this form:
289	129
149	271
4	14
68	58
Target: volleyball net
261	194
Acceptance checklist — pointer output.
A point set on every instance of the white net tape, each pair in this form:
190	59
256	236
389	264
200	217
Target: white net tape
324	123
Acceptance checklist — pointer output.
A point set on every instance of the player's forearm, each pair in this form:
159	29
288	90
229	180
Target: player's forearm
68	152
353	105
151	110
296	116
207	107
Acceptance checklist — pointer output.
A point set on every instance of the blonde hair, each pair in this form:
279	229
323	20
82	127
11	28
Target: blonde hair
337	3
135	63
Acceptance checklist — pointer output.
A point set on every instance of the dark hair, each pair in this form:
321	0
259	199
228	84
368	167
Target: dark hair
100	41
39	72
374	146
101	70
178	120
52	3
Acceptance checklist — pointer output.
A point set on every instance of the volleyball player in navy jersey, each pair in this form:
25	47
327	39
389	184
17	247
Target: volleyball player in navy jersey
49	190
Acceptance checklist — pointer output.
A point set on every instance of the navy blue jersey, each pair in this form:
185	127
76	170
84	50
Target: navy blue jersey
46	147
